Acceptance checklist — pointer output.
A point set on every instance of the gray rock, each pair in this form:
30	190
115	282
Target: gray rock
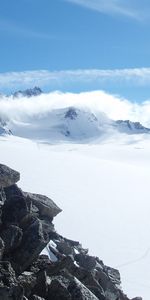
64	248
9	288
15	208
114	275
28	281
86	261
12	237
41	286
45	205
80	292
33	242
2	247
2	196
35	297
8	176
58	289
67	287
11	293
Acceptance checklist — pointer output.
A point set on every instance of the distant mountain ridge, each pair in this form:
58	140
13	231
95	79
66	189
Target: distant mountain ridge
70	123
36	91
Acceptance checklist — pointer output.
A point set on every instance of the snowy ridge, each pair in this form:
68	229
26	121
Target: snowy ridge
36	91
71	124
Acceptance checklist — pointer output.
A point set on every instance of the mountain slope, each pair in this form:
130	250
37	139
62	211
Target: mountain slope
71	124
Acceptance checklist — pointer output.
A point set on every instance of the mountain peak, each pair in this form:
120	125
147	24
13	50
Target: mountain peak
130	126
71	113
28	92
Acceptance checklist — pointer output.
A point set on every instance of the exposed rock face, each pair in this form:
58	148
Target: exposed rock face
45	205
8	176
36	91
64	272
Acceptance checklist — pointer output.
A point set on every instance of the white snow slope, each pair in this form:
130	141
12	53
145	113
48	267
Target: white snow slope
103	190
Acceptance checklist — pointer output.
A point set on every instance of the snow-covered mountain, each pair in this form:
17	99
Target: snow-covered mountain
36	91
71	123
131	127
102	187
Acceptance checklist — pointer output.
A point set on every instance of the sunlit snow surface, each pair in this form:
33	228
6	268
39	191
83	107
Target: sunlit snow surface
104	191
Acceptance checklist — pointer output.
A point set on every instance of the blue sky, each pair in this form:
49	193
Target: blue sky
72	35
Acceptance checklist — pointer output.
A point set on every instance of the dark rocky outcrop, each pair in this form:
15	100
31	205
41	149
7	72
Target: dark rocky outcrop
36	91
8	176
64	272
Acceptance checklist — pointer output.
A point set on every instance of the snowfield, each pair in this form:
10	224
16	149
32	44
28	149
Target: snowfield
103	189
89	153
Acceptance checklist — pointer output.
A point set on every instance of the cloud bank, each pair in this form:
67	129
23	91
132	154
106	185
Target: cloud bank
58	79
22	109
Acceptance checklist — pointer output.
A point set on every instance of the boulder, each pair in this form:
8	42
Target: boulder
33	242
46	206
41	286
9	287
12	237
64	248
86	261
35	297
79	291
8	176
28	281
2	247
58	289
15	208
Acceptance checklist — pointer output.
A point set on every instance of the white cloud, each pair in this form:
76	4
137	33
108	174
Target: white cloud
58	79
116	108
120	7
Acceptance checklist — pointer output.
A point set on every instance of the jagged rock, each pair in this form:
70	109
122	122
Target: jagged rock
26	228
48	227
67	287
28	281
80	292
86	261
41	263
28	92
8	176
9	288
45	205
84	276
35	297
33	242
58	289
11	293
2	247
2	197
41	286
12	237
15	208
114	275
64	248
